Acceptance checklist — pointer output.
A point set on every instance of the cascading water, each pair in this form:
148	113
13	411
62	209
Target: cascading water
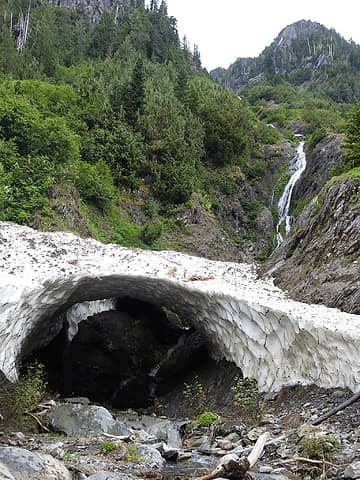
285	200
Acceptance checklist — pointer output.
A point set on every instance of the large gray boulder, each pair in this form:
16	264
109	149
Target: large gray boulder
77	419
20	464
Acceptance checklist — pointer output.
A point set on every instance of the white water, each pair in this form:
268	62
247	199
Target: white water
285	200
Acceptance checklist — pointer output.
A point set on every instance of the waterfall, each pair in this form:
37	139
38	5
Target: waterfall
285	199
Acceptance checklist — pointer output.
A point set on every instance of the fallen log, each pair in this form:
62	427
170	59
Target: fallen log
233	467
334	410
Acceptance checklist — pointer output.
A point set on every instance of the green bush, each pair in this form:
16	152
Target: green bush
95	183
206	419
107	446
247	398
151	232
194	396
29	390
319	448
132	454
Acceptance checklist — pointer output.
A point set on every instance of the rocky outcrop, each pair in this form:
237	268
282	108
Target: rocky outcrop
95	8
319	261
241	318
327	155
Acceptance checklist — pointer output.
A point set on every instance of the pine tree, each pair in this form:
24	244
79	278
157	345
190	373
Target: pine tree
135	94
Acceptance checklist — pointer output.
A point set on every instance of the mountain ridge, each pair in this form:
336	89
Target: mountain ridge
303	53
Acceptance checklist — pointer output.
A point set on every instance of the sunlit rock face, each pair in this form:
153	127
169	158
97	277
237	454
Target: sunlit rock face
242	319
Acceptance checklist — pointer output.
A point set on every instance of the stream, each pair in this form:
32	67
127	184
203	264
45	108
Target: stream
299	166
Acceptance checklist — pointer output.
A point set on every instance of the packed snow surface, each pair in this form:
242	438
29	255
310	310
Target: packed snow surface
244	319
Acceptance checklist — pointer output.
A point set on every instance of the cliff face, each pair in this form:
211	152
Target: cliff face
327	155
319	261
95	8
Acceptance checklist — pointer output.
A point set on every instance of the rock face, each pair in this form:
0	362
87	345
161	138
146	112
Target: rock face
95	8
327	155
302	51
242	319
319	261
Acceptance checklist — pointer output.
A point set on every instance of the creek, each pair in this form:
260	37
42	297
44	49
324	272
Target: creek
298	165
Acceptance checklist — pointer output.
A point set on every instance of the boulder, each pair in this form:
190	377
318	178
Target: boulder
77	419
20	464
352	470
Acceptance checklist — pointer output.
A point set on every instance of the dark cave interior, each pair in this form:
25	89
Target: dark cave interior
123	358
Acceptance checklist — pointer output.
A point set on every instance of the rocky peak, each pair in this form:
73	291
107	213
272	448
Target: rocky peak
302	29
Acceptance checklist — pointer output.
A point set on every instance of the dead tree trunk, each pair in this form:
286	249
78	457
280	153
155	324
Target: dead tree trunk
236	468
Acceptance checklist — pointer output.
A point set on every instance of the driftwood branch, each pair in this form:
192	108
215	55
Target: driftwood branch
231	466
340	407
311	460
38	421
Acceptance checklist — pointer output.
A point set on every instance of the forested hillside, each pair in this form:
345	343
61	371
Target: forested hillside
116	122
110	127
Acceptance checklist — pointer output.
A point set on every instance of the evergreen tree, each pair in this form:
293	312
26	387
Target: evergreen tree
135	94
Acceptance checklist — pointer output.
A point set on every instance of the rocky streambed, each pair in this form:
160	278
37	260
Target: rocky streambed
87	441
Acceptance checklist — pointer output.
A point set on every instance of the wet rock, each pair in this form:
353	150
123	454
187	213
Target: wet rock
81	400
150	456
110	476
170	454
224	444
21	464
85	420
352	470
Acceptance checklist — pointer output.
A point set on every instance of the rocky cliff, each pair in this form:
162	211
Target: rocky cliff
319	261
95	8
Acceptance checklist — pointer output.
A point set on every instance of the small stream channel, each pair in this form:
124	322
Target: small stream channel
298	165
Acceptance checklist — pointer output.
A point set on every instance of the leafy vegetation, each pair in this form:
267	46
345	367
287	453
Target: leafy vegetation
108	446
246	398
206	419
110	110
29	391
194	396
319	447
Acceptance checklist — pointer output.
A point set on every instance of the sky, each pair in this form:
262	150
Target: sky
227	29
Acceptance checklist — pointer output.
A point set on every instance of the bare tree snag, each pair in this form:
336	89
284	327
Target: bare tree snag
340	407
236	468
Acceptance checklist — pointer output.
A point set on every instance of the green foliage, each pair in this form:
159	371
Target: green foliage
246	398
194	396
29	390
353	138
71	457
252	207
206	419
132	454
151	232
319	448
107	446
94	182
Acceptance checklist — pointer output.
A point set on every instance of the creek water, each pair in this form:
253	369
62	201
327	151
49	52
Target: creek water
299	165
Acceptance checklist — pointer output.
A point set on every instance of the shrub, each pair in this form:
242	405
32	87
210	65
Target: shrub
107	446
194	395
132	454
319	448
207	418
29	390
151	232
246	397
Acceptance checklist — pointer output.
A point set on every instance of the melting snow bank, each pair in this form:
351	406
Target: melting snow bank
243	319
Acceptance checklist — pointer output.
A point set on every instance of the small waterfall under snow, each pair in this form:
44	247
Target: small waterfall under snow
285	199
